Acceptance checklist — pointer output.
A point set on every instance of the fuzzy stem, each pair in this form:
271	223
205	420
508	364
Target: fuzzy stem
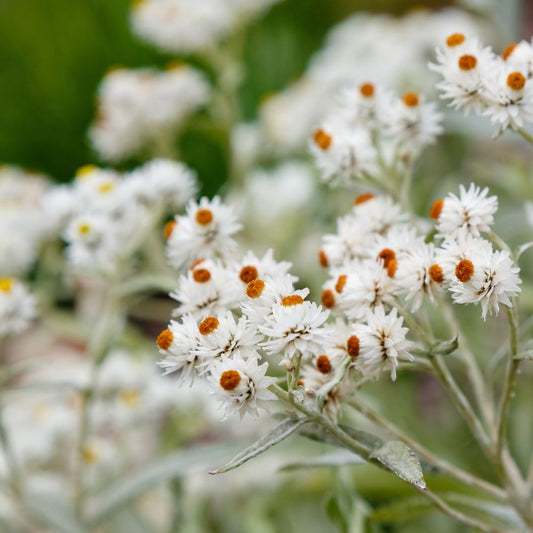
526	135
457	473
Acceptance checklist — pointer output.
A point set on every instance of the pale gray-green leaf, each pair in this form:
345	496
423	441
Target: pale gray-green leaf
52	511
335	459
444	347
398	458
273	437
521	249
175	465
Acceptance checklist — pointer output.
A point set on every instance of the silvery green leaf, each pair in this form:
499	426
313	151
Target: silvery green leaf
521	249
51	510
340	458
273	437
445	347
120	493
398	458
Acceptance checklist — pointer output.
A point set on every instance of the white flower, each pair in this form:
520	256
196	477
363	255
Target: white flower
366	287
414	123
228	338
473	212
488	278
453	250
205	231
294	326
382	342
418	276
182	25
143	109
519	56
241	386
177	344
250	267
510	98
17	307
466	75
343	153
163	181
207	289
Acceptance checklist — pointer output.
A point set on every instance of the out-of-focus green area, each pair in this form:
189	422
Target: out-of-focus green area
54	54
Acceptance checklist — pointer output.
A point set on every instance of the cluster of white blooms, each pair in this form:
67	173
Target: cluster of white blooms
142	109
391	50
377	258
22	225
370	128
129	406
476	79
105	216
185	26
17	306
234	314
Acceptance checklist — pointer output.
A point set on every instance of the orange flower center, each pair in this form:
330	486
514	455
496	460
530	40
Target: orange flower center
341	282
255	288
435	273
352	346
194	264
362	198
169	228
208	325
436	208
516	81
410	99
322	139
323	259
464	270
391	267
367	90
455	39
467	62
387	255
293	299
164	339
328	299
323	364
248	273
201	275
508	51
204	217
229	380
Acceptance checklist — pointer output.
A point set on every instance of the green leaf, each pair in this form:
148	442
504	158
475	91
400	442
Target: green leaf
335	514
52	511
335	459
273	437
174	465
445	347
398	458
521	249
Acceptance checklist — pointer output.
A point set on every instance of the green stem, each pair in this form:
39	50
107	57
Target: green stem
526	135
364	451
456	473
508	385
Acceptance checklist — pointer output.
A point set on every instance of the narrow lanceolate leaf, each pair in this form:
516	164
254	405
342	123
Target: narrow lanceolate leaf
398	458
275	436
340	458
445	347
521	249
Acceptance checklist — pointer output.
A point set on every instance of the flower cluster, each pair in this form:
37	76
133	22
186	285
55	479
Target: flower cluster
477	80
143	109
105	216
181	26
370	129
391	50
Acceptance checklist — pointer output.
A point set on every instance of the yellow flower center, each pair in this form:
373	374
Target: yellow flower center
367	90
467	62
255	288
410	99
436	208
516	81
204	217
169	228
208	325
84	171
165	338
455	39
322	139
6	284
293	299
130	397
464	270
435	273
508	51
